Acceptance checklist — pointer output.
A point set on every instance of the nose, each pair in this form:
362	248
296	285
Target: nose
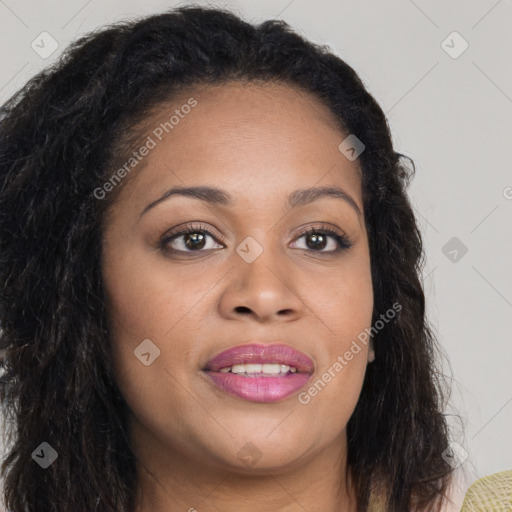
264	290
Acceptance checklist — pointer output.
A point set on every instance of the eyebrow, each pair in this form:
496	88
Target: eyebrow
212	195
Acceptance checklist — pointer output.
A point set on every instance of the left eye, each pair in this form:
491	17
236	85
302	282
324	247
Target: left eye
319	239
190	240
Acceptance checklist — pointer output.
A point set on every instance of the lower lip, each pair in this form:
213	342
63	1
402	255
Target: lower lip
259	389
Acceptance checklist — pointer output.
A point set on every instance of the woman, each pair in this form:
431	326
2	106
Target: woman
211	290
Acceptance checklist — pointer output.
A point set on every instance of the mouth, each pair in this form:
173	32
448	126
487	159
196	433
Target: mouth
260	373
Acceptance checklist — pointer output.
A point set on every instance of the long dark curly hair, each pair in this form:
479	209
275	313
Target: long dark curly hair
61	136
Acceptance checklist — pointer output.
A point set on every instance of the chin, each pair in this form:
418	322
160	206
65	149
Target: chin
261	453
251	460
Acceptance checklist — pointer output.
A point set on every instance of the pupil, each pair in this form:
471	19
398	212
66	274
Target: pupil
195	237
316	245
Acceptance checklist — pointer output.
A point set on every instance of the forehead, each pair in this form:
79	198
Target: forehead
245	137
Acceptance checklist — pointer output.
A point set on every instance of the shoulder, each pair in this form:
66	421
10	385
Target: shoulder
455	492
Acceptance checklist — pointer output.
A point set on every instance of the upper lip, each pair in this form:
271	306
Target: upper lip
256	353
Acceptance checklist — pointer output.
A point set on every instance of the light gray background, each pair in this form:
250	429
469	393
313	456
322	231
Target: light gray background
451	115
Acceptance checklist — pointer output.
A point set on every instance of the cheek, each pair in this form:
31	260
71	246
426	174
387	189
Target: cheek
143	299
133	300
343	299
333	395
138	298
146	301
342	303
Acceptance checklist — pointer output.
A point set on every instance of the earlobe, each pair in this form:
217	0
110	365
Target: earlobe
371	354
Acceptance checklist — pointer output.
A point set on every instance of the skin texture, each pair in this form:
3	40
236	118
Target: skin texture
259	143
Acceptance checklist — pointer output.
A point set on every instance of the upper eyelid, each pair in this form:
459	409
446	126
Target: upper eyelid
304	231
193	228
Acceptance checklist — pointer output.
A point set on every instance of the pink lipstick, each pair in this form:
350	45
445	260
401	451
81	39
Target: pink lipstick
260	373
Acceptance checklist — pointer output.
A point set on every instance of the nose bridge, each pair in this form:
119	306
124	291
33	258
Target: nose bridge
260	260
262	281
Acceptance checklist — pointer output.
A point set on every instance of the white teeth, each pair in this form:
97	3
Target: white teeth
273	369
251	368
240	368
265	369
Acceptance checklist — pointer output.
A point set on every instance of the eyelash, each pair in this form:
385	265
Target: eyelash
344	241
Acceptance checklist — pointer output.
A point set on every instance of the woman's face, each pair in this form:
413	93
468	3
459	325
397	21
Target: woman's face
174	304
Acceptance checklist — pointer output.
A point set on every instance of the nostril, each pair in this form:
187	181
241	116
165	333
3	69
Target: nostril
242	309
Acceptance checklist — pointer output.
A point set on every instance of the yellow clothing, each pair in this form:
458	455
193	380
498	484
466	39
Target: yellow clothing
491	493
